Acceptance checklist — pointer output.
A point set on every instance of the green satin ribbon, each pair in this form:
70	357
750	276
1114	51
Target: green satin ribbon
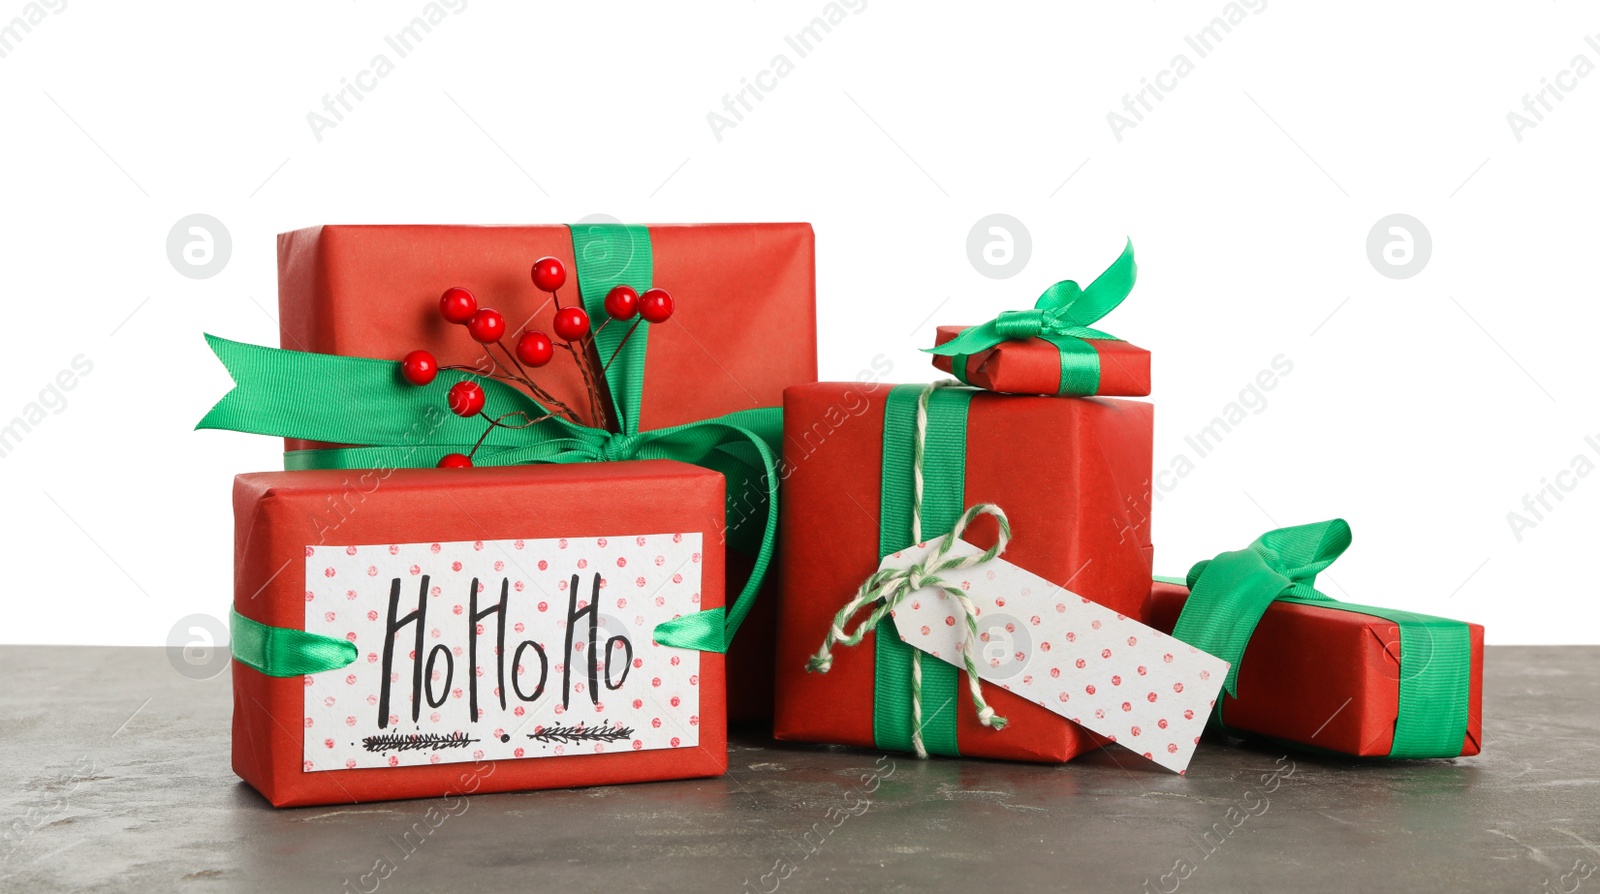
1229	594
285	651
944	471
353	400
1061	317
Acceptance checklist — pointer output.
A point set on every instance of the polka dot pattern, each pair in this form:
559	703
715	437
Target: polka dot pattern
656	702
1105	671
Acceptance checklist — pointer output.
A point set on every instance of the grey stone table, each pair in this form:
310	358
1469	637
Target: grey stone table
115	777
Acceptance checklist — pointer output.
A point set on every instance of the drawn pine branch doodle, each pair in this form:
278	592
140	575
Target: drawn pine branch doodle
567	735
416	741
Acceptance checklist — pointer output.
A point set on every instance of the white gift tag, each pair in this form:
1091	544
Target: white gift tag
501	650
1126	681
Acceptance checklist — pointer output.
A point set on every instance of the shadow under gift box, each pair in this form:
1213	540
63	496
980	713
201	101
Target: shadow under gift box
1073	476
1326	678
284	518
743	329
1033	366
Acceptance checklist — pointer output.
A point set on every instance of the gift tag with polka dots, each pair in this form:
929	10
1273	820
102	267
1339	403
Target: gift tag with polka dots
501	650
1072	656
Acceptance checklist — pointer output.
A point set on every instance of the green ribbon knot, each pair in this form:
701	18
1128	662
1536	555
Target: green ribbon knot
1061	316
1230	593
354	400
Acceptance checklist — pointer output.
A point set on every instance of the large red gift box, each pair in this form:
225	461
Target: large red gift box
499	626
743	329
1033	366
1324	677
1072	474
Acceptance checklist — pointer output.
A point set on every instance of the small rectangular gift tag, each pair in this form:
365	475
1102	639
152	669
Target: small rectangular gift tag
1128	682
501	649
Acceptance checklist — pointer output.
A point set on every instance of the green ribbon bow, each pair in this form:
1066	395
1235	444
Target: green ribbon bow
1061	316
353	400
1229	594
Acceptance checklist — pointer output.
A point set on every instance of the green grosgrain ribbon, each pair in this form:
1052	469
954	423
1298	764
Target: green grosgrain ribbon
285	651
353	400
1061	317
943	470
1229	594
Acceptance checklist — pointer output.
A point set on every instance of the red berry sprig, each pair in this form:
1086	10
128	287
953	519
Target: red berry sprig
487	326
457	305
419	367
655	305
534	350
467	398
622	302
571	323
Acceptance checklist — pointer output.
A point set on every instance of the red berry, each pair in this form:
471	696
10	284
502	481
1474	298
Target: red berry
622	302
457	305
534	349
655	305
487	326
549	274
466	398
455	461
419	367
571	323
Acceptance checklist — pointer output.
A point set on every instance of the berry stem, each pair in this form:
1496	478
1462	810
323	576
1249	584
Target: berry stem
497	422
527	381
618	349
582	360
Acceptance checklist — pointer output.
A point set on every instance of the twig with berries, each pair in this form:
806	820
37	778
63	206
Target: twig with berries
534	350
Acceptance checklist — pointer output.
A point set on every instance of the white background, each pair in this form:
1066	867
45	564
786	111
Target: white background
1423	410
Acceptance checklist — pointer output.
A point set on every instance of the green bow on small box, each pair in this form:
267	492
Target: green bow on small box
1230	593
1061	317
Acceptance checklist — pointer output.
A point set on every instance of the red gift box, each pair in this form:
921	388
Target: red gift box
1033	366
373	291
569	687
1073	476
1324	677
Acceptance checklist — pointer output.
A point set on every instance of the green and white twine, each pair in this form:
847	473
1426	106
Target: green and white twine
889	586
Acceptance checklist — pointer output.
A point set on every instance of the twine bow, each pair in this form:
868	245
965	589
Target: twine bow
890	586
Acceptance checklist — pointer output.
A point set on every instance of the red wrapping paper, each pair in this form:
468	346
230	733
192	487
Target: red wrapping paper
373	291
1322	677
280	514
1073	476
1033	366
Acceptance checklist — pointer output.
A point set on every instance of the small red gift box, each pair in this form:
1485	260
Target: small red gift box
423	633
373	291
1072	474
1324	677
1033	366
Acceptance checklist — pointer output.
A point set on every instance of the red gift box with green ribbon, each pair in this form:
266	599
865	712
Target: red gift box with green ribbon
434	633
1051	348
1072	476
1321	674
372	291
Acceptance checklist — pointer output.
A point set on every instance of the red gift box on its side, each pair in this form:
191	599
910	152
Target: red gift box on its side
1071	474
490	647
1033	366
373	291
1322	677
